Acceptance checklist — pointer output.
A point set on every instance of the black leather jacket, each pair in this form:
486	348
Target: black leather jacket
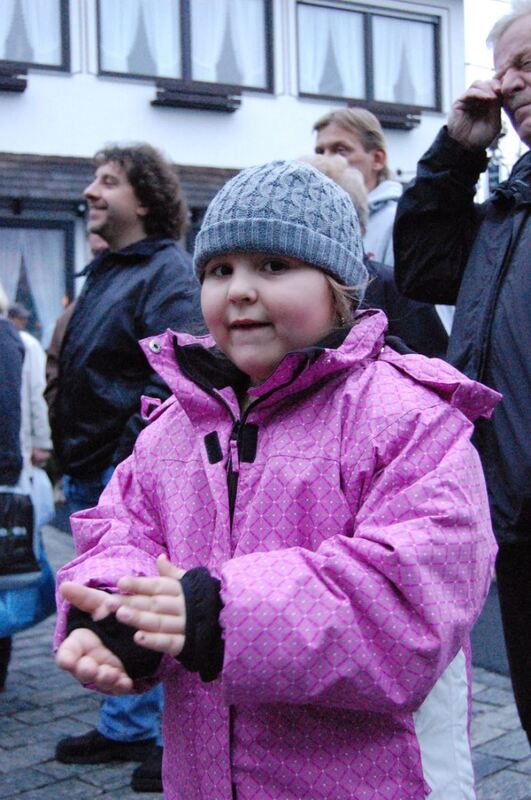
449	250
138	291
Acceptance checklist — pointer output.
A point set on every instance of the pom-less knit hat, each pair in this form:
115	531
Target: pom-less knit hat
285	208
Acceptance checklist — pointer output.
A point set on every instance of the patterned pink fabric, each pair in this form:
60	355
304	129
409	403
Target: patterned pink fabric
359	557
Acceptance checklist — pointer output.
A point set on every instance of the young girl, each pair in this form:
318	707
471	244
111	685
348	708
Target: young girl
300	542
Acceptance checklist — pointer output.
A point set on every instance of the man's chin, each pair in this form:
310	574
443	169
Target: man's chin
96	227
522	125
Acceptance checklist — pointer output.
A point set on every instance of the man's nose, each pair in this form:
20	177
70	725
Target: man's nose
91	191
512	81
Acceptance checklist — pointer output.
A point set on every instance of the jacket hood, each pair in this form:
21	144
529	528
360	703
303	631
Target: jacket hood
180	358
383	193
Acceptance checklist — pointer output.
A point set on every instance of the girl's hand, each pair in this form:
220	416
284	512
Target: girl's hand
89	661
95	602
156	607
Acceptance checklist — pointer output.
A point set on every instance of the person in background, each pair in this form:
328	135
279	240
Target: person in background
141	284
11	360
25	606
96	246
300	542
416	324
356	134
18	315
450	250
37	443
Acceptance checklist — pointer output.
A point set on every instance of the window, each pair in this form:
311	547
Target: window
374	56
214	41
35	33
35	270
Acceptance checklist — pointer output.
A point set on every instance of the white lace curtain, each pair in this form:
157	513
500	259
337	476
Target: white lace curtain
404	62
6	20
43	27
318	27
43	254
245	19
119	27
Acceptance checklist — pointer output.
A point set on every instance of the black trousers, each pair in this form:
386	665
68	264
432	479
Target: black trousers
513	574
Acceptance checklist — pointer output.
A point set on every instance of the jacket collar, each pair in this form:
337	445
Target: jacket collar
185	362
129	256
174	355
517	188
384	192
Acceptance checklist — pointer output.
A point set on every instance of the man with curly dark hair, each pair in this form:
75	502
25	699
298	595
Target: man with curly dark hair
138	286
155	184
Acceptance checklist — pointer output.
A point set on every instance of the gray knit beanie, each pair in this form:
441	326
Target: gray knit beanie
285	208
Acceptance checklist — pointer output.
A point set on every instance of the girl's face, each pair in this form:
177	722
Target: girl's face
259	307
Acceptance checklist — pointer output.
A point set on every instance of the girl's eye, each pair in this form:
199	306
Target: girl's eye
275	267
218	271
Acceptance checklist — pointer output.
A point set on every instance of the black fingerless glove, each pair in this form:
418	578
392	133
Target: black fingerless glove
139	662
204	647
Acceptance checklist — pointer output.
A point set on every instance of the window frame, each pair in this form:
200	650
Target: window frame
368	12
65	65
186	80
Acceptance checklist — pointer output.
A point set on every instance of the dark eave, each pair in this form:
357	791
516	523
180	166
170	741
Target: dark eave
58	181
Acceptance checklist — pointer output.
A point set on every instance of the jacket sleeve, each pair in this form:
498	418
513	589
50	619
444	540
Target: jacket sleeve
371	619
122	535
437	221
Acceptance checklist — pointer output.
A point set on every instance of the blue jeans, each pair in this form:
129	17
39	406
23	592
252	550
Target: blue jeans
132	717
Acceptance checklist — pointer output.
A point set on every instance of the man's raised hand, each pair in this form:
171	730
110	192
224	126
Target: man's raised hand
475	117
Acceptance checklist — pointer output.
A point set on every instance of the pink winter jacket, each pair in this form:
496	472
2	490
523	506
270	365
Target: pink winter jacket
359	555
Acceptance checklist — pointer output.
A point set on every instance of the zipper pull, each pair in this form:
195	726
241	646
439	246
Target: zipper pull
234	458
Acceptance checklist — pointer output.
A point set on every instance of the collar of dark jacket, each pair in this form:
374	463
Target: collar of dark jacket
130	255
516	190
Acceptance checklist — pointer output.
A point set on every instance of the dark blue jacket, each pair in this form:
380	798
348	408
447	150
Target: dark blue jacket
450	250
140	290
417	324
11	360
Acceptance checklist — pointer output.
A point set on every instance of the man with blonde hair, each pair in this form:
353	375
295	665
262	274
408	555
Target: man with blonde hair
357	135
449	250
415	324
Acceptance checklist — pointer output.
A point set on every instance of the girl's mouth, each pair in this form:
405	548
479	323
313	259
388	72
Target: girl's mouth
242	324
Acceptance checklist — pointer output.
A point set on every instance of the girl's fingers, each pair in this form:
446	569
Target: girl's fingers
158	604
151	621
94	601
167	569
150	586
110	679
161	642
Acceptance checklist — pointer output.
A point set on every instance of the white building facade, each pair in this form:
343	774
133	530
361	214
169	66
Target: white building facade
216	84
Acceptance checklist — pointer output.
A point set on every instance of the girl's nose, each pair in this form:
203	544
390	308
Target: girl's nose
242	290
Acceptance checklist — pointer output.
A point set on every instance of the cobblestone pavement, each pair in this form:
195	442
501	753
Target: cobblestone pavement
41	704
